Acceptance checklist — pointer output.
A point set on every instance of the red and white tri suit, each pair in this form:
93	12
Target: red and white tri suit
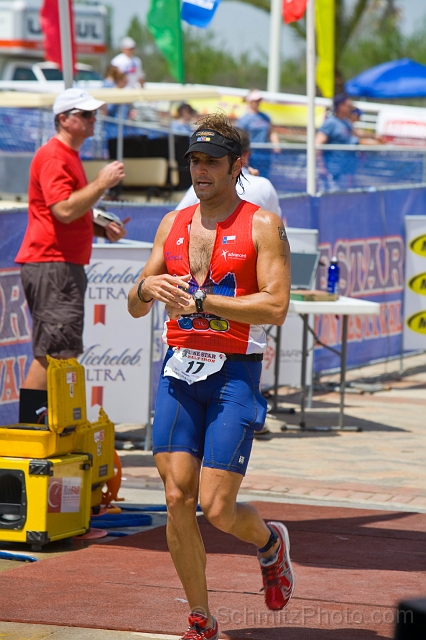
232	272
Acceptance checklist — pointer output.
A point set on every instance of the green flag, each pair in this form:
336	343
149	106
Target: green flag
164	24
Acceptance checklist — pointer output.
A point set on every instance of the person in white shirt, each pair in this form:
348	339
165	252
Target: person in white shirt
128	63
258	190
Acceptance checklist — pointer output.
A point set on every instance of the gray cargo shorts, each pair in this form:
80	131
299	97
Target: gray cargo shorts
55	295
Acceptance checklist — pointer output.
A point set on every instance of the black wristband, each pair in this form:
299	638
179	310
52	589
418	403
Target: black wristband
140	285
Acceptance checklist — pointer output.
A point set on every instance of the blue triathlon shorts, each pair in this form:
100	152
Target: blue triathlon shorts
213	419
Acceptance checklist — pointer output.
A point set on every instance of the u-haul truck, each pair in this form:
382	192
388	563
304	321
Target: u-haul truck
21	39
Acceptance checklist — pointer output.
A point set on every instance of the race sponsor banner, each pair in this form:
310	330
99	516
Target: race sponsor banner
15	319
117	347
415	284
365	230
366	233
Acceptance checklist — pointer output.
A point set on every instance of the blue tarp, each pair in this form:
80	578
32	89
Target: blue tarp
396	79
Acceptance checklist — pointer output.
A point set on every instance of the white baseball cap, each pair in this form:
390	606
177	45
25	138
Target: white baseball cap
128	43
254	96
75	99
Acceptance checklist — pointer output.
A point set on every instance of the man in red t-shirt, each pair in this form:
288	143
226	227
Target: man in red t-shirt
58	240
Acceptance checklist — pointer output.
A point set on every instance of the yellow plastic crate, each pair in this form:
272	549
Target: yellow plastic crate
66	413
97	439
66	394
35	441
44	500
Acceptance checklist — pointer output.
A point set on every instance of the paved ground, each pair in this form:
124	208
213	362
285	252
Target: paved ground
381	467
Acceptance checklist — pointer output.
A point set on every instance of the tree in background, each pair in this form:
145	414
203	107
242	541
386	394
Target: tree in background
367	33
210	63
374	37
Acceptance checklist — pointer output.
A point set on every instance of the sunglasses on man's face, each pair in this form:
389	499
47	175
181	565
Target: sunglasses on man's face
83	114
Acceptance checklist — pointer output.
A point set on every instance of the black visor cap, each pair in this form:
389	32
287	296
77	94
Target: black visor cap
213	144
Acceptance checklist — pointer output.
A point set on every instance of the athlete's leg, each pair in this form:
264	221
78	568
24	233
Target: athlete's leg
218	500
218	493
180	472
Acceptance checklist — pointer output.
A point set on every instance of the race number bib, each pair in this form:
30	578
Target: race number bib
192	366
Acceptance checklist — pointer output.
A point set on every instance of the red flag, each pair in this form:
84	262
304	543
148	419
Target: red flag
49	19
97	396
293	10
99	313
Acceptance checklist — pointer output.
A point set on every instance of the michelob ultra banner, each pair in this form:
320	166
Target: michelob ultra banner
117	349
415	284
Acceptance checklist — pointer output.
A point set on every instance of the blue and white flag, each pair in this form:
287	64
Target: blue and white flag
199	13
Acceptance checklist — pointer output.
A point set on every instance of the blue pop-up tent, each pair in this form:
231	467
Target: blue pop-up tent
396	79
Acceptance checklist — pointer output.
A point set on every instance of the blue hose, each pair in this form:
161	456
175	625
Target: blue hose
141	520
6	555
162	508
117	517
152	508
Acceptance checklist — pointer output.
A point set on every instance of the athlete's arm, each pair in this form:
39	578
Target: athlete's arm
270	305
158	284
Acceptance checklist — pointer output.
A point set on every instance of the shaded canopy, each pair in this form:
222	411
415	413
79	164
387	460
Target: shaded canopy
396	79
111	96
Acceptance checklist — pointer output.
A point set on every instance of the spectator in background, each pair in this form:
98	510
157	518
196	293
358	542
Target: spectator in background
115	79
260	129
183	124
355	115
257	123
364	136
338	128
128	63
337	168
58	240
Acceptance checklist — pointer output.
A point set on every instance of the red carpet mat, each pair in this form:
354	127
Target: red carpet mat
352	567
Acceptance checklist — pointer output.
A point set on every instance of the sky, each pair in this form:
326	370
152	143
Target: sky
241	28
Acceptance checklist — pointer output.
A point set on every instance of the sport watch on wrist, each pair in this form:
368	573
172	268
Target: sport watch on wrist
199	297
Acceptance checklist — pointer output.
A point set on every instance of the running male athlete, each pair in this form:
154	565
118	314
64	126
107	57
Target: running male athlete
223	269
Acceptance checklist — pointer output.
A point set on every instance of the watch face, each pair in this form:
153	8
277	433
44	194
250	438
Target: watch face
199	295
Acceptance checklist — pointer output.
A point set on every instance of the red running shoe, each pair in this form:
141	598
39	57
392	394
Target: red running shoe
277	572
198	629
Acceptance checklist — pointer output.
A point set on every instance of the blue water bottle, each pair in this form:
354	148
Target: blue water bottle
333	276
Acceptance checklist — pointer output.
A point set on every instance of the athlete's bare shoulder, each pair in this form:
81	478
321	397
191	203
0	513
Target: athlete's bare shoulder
166	224
169	218
266	226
